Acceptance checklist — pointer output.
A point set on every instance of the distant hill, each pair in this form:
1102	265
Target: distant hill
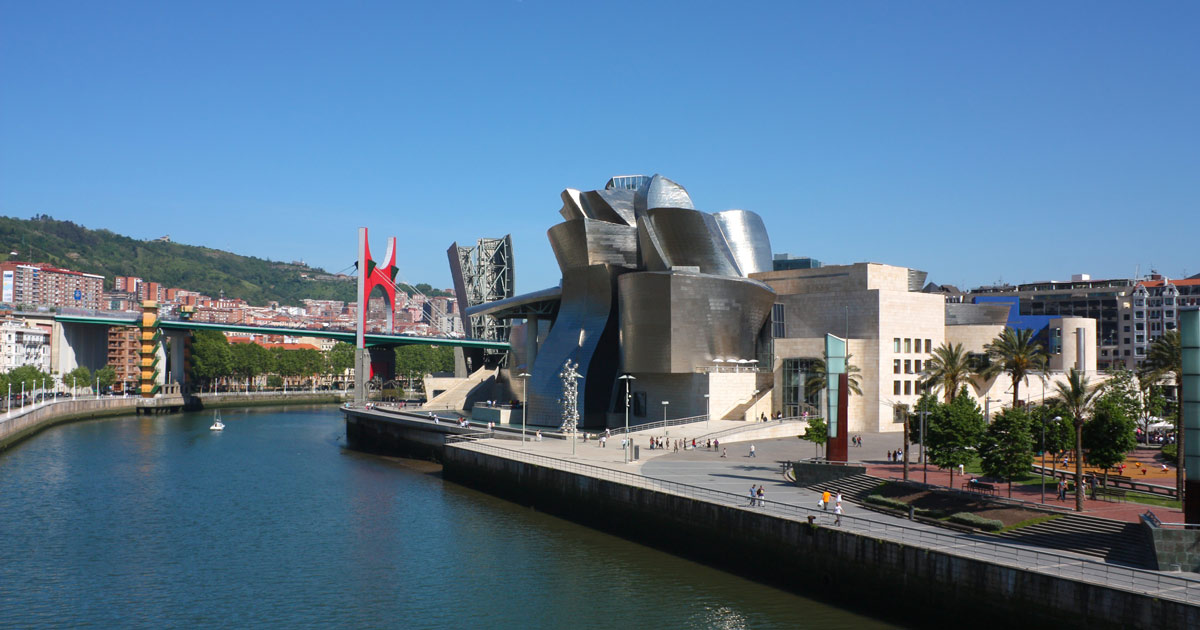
208	271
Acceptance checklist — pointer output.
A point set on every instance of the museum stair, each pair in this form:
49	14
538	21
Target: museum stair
1113	541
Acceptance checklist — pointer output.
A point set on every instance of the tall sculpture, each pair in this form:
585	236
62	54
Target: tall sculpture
371	275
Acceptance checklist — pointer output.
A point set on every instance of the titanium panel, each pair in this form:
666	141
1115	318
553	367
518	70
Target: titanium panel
572	205
690	238
586	242
678	322
664	193
747	238
585	331
614	206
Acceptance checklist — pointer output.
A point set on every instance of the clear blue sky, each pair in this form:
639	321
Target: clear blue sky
977	141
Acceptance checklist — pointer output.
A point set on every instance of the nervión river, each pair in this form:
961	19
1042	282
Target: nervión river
158	522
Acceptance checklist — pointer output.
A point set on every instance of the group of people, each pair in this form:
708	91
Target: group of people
824	501
683	444
856	440
757	496
896	455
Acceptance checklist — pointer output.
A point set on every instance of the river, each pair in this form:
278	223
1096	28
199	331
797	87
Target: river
155	521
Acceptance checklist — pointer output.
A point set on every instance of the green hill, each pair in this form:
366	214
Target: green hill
209	271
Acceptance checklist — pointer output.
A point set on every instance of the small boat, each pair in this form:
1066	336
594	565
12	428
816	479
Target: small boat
217	425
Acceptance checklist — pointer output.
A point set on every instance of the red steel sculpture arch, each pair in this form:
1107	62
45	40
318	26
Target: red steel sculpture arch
372	274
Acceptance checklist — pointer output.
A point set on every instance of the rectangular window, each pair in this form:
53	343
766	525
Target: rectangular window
917	366
1138	326
777	328
896	366
1169	301
908	388
896	387
928	346
1140	315
896	343
1140	351
1139	338
908	345
907	366
1139	302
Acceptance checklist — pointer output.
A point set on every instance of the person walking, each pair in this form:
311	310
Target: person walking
837	511
762	496
752	451
723	452
753	496
838	499
825	500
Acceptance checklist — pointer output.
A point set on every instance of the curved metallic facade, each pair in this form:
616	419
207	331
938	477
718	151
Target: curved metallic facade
747	238
650	285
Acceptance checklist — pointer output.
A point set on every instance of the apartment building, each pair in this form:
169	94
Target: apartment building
40	284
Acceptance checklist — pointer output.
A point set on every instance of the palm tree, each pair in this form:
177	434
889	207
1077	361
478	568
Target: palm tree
1014	352
1077	395
948	369
1165	358
816	379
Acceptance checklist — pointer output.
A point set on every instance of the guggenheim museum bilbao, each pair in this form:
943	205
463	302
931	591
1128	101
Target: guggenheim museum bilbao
695	306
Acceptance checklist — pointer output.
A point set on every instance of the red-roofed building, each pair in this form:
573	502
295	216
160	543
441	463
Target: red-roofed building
41	284
1152	309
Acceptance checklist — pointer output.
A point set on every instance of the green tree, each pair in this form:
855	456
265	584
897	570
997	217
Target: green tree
1077	395
29	376
948	369
79	377
1108	436
1006	448
1165	359
106	376
339	359
1123	388
953	433
817	433
212	358
275	381
250	360
1059	428
414	362
1014	352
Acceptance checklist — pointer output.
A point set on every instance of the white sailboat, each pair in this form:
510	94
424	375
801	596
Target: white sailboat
217	425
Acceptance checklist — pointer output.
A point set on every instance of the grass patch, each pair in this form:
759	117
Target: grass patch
977	521
1028	522
1150	499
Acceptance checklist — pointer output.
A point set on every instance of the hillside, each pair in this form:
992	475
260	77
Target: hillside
209	271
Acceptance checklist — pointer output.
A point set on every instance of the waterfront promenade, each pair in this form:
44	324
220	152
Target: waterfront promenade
703	475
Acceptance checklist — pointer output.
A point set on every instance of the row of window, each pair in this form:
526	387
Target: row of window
910	345
911	366
906	388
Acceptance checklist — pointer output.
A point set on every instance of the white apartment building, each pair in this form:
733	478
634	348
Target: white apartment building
21	344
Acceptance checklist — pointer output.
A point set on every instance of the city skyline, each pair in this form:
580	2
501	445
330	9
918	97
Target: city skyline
1029	138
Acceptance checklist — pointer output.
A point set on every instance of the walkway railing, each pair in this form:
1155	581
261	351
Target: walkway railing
651	426
1071	567
750	426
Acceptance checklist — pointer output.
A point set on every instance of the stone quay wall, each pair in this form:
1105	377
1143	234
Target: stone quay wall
913	584
20	426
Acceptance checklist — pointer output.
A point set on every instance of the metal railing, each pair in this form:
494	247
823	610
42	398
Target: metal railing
752	425
1072	567
650	426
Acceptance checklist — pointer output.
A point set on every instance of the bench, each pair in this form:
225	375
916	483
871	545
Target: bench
979	486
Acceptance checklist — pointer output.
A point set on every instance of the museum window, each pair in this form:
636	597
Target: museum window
896	387
896	366
917	366
797	395
907	366
908	345
896	344
928	346
907	388
778	330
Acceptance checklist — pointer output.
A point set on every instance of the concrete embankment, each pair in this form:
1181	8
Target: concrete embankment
909	583
257	399
20	426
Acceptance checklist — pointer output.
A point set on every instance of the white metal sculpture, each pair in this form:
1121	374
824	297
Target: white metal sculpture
570	396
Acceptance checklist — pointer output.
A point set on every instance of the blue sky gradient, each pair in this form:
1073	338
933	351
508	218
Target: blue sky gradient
977	141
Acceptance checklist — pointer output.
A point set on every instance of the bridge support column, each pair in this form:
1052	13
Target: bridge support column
362	370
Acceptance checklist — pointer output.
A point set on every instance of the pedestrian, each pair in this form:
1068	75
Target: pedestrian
762	496
838	498
604	442
752	451
723	453
825	500
837	510
753	496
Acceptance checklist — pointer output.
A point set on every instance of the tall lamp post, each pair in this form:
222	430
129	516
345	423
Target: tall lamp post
524	376
665	403
1056	419
755	412
707	409
628	378
924	461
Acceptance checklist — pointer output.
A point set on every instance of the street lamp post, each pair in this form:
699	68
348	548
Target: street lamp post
628	378
664	404
924	461
524	376
1056	419
707	410
755	412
